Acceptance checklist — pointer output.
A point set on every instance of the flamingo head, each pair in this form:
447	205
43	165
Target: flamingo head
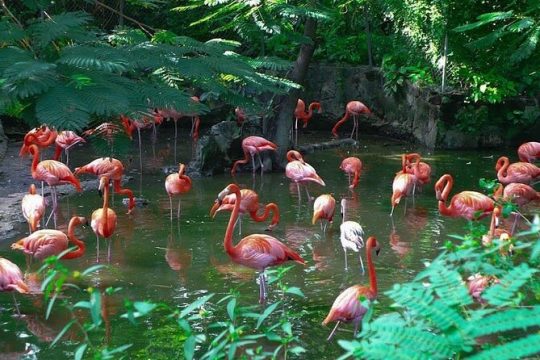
215	208
103	181
295	155
372	243
501	162
230	189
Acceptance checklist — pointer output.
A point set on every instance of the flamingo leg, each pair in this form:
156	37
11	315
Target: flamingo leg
261	289
140	149
260	162
361	263
170	205
392	211
252	163
307	192
175	137
16	305
333	331
356	325
296	132
109	250
299	193
345	252
178	211
97	248
514	225
67	157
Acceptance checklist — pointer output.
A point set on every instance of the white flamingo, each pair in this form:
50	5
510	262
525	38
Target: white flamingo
351	237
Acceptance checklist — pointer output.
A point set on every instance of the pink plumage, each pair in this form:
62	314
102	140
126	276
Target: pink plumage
529	151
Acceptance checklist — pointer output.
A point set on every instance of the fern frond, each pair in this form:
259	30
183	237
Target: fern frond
523	347
28	78
511	319
270	63
101	58
63	108
10	33
449	286
126	36
11	55
527	48
70	25
504	292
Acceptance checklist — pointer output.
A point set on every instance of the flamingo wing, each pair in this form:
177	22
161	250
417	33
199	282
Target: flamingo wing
43	243
347	306
469	203
259	251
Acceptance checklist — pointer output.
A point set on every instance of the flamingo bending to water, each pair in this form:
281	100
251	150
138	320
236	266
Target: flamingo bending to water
249	204
11	279
351	236
347	306
104	219
256	251
518	172
113	169
529	151
301	114
420	170
470	205
54	173
352	166
33	208
401	187
64	141
177	184
354	109
41	136
300	172
47	242
253	145
324	208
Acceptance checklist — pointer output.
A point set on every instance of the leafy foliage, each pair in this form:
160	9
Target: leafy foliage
437	318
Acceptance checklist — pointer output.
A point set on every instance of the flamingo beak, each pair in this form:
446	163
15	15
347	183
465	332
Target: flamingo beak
316	216
215	208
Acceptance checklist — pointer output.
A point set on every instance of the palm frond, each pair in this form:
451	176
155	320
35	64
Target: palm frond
70	25
27	78
11	55
100	58
10	33
63	108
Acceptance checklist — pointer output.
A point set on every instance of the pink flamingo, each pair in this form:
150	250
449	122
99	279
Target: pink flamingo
11	279
54	173
470	205
41	136
301	114
47	242
352	166
253	145
478	283
64	141
324	208
33	208
249	204
177	184
256	251
520	194
497	232
529	151
113	169
518	172
104	219
354	108
300	172
347	306
420	170
401	187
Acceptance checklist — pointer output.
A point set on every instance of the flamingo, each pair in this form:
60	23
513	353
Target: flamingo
256	251
347	306
496	232
401	187
11	279
253	145
240	116
249	204
354	108
518	172
113	169
130	125
64	141
301	114
104	219
54	173
33	208
477	283
351	236
529	151
324	208
47	242
519	194
300	172
467	204
41	136
177	184
352	165
420	170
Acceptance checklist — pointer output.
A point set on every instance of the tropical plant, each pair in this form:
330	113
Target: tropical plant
62	71
437	318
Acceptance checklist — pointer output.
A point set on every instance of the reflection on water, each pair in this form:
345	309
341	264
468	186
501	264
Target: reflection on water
154	259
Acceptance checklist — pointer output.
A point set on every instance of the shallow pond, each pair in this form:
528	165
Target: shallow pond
175	263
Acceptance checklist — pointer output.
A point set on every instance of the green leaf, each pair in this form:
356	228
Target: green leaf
504	292
83	305
63	108
144	307
521	348
92	269
295	291
61	333
28	78
50	305
189	347
95	307
484	19
66	25
79	353
195	305
266	313
231	305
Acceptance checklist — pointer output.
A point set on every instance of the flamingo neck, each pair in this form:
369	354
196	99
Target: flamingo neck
57	152
404	163
371	270
35	160
71	236
227	241
245	160
338	124
269	207
356	178
502	171
449	183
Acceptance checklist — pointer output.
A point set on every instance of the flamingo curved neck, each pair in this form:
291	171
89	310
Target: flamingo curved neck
502	171
227	241
35	160
371	271
269	207
71	236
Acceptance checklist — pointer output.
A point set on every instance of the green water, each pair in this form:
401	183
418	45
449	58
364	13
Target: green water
176	263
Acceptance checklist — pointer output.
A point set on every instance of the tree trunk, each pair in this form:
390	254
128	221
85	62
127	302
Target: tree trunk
279	129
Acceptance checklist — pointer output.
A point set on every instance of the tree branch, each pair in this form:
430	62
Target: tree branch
143	27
